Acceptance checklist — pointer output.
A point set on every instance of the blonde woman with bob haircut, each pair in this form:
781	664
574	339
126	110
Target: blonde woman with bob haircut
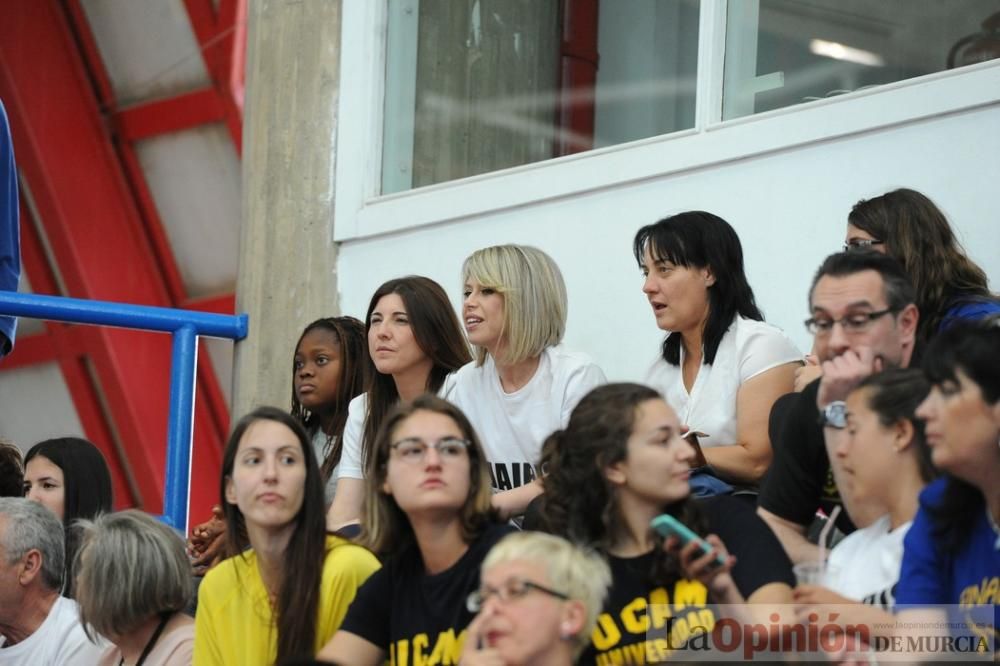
538	602
524	383
427	513
133	584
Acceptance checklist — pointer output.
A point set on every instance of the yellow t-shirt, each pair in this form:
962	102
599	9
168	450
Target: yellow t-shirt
234	623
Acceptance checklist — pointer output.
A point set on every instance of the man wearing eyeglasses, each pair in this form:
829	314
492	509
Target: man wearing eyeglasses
864	320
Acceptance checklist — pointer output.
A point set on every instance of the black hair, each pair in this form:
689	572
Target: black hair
896	284
86	487
894	396
349	334
298	597
972	348
697	239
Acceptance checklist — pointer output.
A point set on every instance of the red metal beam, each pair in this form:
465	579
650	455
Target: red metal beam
172	114
91	55
32	349
68	346
221	35
234	13
205	25
216	417
94	228
98	429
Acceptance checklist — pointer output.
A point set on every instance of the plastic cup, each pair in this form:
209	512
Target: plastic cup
814	573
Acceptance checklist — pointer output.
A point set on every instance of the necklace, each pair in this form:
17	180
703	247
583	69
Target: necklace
164	618
996	528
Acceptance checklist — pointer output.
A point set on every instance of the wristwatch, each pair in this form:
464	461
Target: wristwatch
834	415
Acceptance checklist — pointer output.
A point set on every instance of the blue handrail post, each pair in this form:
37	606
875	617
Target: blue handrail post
180	427
185	326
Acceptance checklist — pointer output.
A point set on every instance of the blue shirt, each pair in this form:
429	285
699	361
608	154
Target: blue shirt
969	309
966	580
10	238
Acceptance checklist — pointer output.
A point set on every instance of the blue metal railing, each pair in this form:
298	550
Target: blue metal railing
186	326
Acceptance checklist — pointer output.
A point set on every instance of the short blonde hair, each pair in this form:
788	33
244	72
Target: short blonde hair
534	297
578	572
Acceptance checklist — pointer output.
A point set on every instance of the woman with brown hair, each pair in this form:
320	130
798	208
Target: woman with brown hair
415	343
287	584
621	462
427	513
907	226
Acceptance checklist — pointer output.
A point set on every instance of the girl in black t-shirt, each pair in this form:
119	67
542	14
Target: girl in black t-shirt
620	462
427	513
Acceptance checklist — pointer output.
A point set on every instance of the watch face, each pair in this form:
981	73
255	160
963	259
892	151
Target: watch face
835	414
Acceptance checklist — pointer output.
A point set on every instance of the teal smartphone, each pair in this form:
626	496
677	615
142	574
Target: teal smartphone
667	526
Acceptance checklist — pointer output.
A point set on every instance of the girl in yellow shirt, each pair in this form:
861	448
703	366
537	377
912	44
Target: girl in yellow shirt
286	595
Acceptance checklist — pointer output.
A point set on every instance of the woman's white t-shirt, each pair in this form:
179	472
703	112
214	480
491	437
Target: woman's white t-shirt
747	349
351	464
865	564
319	446
513	426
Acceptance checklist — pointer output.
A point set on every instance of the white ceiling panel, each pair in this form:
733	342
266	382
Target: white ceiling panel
35	404
147	46
195	180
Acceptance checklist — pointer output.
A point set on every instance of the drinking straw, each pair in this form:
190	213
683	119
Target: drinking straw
824	533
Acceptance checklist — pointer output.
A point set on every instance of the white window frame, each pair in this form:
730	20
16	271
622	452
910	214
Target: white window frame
360	211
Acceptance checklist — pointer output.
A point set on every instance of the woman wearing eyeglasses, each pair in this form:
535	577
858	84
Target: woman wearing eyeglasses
908	227
720	367
427	513
537	603
621	462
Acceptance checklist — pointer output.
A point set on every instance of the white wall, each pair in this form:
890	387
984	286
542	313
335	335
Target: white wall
788	206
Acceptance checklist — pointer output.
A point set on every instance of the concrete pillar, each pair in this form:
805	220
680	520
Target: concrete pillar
287	267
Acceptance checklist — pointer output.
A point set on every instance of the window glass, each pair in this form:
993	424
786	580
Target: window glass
474	86
785	52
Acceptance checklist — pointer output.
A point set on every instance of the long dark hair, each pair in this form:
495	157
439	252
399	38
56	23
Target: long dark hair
697	239
438	334
581	504
349	334
973	348
298	598
917	234
386	528
86	487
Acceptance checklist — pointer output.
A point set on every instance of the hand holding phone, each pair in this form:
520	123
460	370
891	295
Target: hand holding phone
668	526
